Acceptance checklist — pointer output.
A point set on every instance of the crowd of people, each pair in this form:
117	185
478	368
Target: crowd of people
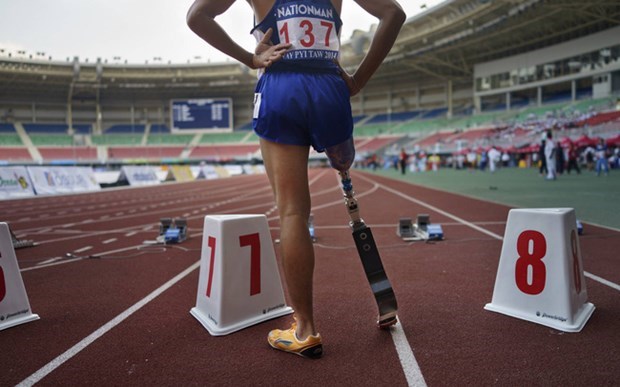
552	158
555	159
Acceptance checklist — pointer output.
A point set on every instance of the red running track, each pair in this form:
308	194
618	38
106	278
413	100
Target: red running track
123	318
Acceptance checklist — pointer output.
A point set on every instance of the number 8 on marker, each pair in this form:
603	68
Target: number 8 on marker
2	284
531	260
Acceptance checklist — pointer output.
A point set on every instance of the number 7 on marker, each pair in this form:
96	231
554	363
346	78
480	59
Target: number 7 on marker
252	240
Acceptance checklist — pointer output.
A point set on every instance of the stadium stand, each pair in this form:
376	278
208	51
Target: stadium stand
454	79
77	154
148	152
224	152
7	128
15	155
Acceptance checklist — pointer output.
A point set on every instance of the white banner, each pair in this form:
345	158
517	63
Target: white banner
207	172
234	170
139	175
15	183
58	180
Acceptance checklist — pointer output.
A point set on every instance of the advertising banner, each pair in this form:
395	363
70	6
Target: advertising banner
15	183
50	180
139	175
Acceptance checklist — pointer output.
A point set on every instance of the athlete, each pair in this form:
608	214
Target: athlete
302	99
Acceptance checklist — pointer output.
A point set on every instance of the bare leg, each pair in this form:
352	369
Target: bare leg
287	169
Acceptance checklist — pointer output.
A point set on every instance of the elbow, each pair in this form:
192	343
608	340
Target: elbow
196	16
392	15
193	18
399	16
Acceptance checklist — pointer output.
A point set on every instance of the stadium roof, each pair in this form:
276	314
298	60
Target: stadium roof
446	41
442	43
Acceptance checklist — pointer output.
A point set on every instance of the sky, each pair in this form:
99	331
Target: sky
136	31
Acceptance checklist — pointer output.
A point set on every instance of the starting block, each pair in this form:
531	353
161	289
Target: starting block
14	304
540	275
20	243
172	230
422	230
239	283
405	228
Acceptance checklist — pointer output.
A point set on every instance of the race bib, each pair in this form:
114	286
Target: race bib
311	38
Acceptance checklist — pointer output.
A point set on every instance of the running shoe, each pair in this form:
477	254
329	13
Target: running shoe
287	341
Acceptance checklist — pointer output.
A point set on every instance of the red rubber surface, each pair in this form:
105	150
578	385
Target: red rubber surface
441	287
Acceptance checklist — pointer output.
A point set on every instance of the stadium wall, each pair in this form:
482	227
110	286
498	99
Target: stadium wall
584	66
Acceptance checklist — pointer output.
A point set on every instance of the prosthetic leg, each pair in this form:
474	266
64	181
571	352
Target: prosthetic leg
341	158
369	255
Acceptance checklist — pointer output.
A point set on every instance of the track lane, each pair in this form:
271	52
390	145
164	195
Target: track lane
442	288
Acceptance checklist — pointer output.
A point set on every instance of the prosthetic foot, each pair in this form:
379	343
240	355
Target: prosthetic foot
369	255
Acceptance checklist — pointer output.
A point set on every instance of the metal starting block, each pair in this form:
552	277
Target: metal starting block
405	228
422	230
20	243
172	230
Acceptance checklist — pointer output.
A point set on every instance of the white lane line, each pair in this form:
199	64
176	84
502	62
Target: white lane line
602	280
49	261
407	359
83	249
109	241
71	352
405	353
482	230
442	212
131	233
134	247
51	264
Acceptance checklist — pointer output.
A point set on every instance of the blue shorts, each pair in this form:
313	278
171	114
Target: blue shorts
306	108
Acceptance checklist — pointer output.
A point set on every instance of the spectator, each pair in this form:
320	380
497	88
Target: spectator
434	160
550	156
541	156
402	160
483	160
494	158
589	153
601	158
559	159
573	158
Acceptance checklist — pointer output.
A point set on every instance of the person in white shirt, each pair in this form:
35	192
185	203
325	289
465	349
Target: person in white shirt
550	156
494	157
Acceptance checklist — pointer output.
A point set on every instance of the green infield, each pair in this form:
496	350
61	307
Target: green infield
596	199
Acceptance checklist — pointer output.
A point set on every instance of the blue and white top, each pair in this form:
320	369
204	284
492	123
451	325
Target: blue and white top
313	29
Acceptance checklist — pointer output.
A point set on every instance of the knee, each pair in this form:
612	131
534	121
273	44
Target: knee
341	156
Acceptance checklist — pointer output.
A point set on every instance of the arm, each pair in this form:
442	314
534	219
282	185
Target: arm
391	18
201	20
